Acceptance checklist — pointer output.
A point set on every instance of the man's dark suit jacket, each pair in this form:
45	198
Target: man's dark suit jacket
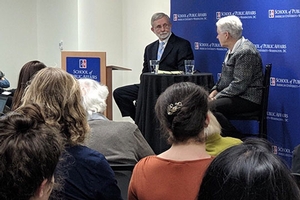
176	51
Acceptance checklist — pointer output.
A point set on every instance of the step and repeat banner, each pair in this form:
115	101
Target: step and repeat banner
274	27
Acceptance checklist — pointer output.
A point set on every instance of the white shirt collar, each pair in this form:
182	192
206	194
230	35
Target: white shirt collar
237	44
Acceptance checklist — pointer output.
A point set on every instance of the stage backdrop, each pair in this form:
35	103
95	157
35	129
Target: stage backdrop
274	27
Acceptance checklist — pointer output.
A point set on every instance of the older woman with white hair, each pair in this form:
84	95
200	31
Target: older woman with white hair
119	142
94	95
238	89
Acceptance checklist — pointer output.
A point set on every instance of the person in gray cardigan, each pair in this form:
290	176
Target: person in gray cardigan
237	90
119	142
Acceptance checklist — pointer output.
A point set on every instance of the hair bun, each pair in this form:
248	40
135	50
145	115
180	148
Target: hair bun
22	125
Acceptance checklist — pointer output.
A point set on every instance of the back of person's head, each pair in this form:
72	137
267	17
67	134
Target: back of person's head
159	15
94	95
213	127
1	74
29	152
231	24
249	171
60	95
26	73
182	111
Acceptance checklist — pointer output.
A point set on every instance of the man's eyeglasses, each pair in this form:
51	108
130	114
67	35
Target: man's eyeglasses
165	26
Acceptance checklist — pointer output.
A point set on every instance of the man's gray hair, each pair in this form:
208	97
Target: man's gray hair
157	16
231	24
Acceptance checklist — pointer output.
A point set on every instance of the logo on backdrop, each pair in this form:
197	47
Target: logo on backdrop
272	81
243	14
271	14
285	82
291	13
271	48
276	116
282	151
175	17
189	17
208	46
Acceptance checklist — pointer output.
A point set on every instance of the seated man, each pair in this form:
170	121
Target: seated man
119	142
169	49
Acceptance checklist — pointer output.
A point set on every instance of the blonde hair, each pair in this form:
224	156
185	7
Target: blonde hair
58	93
213	127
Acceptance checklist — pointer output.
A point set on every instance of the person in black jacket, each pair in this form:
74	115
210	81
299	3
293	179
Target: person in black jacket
171	58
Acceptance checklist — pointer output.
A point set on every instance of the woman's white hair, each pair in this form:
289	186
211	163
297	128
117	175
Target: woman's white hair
231	24
213	127
94	95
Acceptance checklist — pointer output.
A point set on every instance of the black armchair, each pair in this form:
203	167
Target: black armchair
260	115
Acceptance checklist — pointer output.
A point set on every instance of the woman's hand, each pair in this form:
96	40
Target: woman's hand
212	95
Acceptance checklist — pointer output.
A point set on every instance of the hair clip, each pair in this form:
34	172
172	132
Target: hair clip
171	109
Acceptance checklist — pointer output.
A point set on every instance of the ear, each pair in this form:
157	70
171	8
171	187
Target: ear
206	121
41	190
152	29
227	35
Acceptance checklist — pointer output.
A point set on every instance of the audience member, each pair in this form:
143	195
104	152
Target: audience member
88	174
174	174
4	83
119	142
29	152
241	75
296	160
171	58
26	73
249	171
214	142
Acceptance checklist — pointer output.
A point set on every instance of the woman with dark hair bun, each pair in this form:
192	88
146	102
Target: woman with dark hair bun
174	174
249	171
29	152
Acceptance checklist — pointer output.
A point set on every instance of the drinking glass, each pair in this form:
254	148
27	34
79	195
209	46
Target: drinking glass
189	66
154	65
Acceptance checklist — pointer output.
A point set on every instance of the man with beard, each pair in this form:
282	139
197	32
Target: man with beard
169	49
